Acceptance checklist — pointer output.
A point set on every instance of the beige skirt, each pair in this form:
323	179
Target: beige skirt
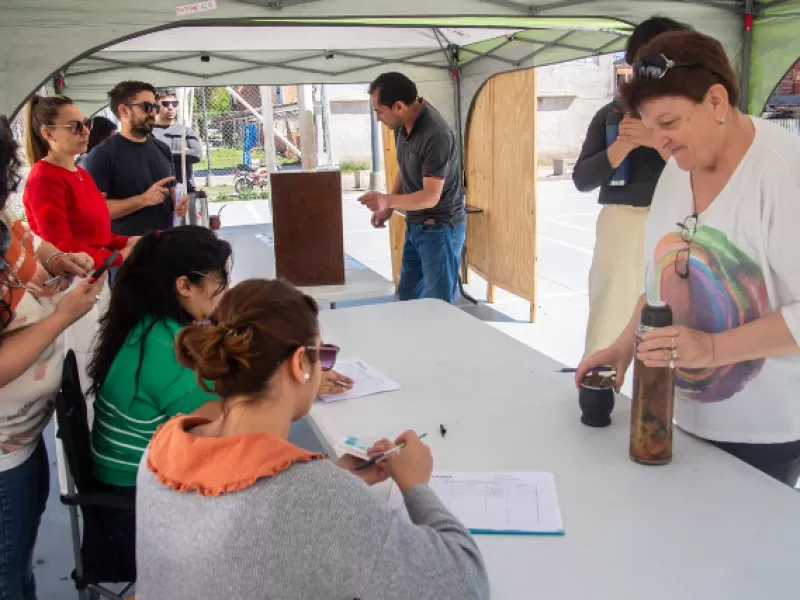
616	279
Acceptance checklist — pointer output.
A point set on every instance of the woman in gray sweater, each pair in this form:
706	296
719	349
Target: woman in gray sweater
230	509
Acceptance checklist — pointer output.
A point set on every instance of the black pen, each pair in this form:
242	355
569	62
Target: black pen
379	457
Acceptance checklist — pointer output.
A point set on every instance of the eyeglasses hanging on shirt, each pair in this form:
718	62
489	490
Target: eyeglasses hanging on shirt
688	231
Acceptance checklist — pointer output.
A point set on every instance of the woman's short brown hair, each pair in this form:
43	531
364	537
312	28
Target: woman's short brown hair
712	67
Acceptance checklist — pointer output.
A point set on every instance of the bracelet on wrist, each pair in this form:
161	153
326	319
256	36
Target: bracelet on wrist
50	258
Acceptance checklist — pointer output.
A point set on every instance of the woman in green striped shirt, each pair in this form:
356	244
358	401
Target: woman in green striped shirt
175	277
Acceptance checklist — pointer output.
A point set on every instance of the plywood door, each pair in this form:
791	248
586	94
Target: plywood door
397	224
501	179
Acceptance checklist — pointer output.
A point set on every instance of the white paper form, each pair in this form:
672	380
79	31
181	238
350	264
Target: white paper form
515	503
366	381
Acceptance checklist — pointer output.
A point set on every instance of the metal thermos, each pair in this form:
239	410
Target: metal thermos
653	397
198	209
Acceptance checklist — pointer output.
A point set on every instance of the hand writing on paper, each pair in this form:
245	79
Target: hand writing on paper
334	383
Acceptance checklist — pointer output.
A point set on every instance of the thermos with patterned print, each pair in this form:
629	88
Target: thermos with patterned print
653	397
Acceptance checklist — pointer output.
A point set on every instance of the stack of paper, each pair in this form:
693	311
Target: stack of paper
366	381
511	503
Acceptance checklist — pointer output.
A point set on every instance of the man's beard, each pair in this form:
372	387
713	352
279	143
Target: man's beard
143	128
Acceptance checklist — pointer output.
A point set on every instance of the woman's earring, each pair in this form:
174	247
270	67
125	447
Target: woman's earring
307	376
722	121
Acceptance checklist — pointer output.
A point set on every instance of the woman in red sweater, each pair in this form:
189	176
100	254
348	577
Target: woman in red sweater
62	202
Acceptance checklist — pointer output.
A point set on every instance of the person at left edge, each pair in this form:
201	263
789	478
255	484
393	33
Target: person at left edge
133	169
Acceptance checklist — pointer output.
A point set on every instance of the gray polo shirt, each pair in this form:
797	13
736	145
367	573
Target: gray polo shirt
431	150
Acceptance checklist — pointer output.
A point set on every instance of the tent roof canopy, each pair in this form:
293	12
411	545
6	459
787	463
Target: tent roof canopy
281	51
99	42
251	40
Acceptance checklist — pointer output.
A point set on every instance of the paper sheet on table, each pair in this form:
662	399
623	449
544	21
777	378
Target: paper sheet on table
366	381
514	503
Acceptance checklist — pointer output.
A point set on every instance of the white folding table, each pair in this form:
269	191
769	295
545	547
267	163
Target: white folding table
254	256
705	526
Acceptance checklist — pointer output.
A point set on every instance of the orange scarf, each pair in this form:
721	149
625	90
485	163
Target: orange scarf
214	466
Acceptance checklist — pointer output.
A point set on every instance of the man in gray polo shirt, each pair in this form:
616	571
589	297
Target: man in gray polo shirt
427	188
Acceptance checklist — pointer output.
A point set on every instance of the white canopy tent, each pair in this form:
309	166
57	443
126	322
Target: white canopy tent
98	43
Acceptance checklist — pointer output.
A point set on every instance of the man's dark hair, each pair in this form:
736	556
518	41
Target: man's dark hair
165	92
394	87
125	92
646	31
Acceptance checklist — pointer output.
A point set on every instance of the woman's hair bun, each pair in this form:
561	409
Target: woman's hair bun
214	351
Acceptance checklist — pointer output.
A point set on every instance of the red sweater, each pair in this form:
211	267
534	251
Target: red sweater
66	209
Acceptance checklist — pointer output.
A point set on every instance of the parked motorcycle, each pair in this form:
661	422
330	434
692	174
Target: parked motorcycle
246	178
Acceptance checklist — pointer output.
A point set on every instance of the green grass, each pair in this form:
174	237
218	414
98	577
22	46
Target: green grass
226	193
349	167
229	158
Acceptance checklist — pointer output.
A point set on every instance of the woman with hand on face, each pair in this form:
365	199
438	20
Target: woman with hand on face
721	250
62	202
275	520
615	279
32	321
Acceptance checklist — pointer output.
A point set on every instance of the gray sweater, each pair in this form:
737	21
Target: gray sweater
312	532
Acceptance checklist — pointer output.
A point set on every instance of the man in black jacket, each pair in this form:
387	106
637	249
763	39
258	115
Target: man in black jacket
616	277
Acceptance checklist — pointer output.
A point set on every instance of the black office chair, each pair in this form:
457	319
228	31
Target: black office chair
101	556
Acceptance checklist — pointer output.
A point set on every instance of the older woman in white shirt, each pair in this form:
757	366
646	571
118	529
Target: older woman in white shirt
721	249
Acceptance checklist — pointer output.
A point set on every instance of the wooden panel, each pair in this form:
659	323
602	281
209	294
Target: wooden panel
501	179
397	237
479	168
397	224
307	215
514	183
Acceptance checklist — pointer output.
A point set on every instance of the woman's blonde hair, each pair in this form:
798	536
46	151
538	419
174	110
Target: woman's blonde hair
40	112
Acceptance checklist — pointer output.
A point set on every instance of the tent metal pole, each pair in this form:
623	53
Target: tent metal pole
747	51
375	138
490	54
205	137
555	42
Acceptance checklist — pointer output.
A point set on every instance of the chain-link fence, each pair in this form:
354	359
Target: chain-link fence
228	121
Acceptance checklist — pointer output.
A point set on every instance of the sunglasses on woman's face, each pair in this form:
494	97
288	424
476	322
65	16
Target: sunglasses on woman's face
327	356
656	66
168	103
75	127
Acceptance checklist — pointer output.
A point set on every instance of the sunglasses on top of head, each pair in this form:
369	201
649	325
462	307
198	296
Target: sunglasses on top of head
168	103
75	127
656	66
147	107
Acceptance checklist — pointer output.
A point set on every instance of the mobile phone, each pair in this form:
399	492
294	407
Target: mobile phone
105	266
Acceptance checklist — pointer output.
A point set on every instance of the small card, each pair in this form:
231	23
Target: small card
354	447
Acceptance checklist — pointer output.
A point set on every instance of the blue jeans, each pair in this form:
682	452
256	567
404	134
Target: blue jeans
23	496
431	257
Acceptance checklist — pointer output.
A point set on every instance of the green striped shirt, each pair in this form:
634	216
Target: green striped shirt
124	422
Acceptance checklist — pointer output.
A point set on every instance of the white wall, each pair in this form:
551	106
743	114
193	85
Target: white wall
569	94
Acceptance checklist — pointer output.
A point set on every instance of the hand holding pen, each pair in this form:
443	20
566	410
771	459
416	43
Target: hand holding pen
409	462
